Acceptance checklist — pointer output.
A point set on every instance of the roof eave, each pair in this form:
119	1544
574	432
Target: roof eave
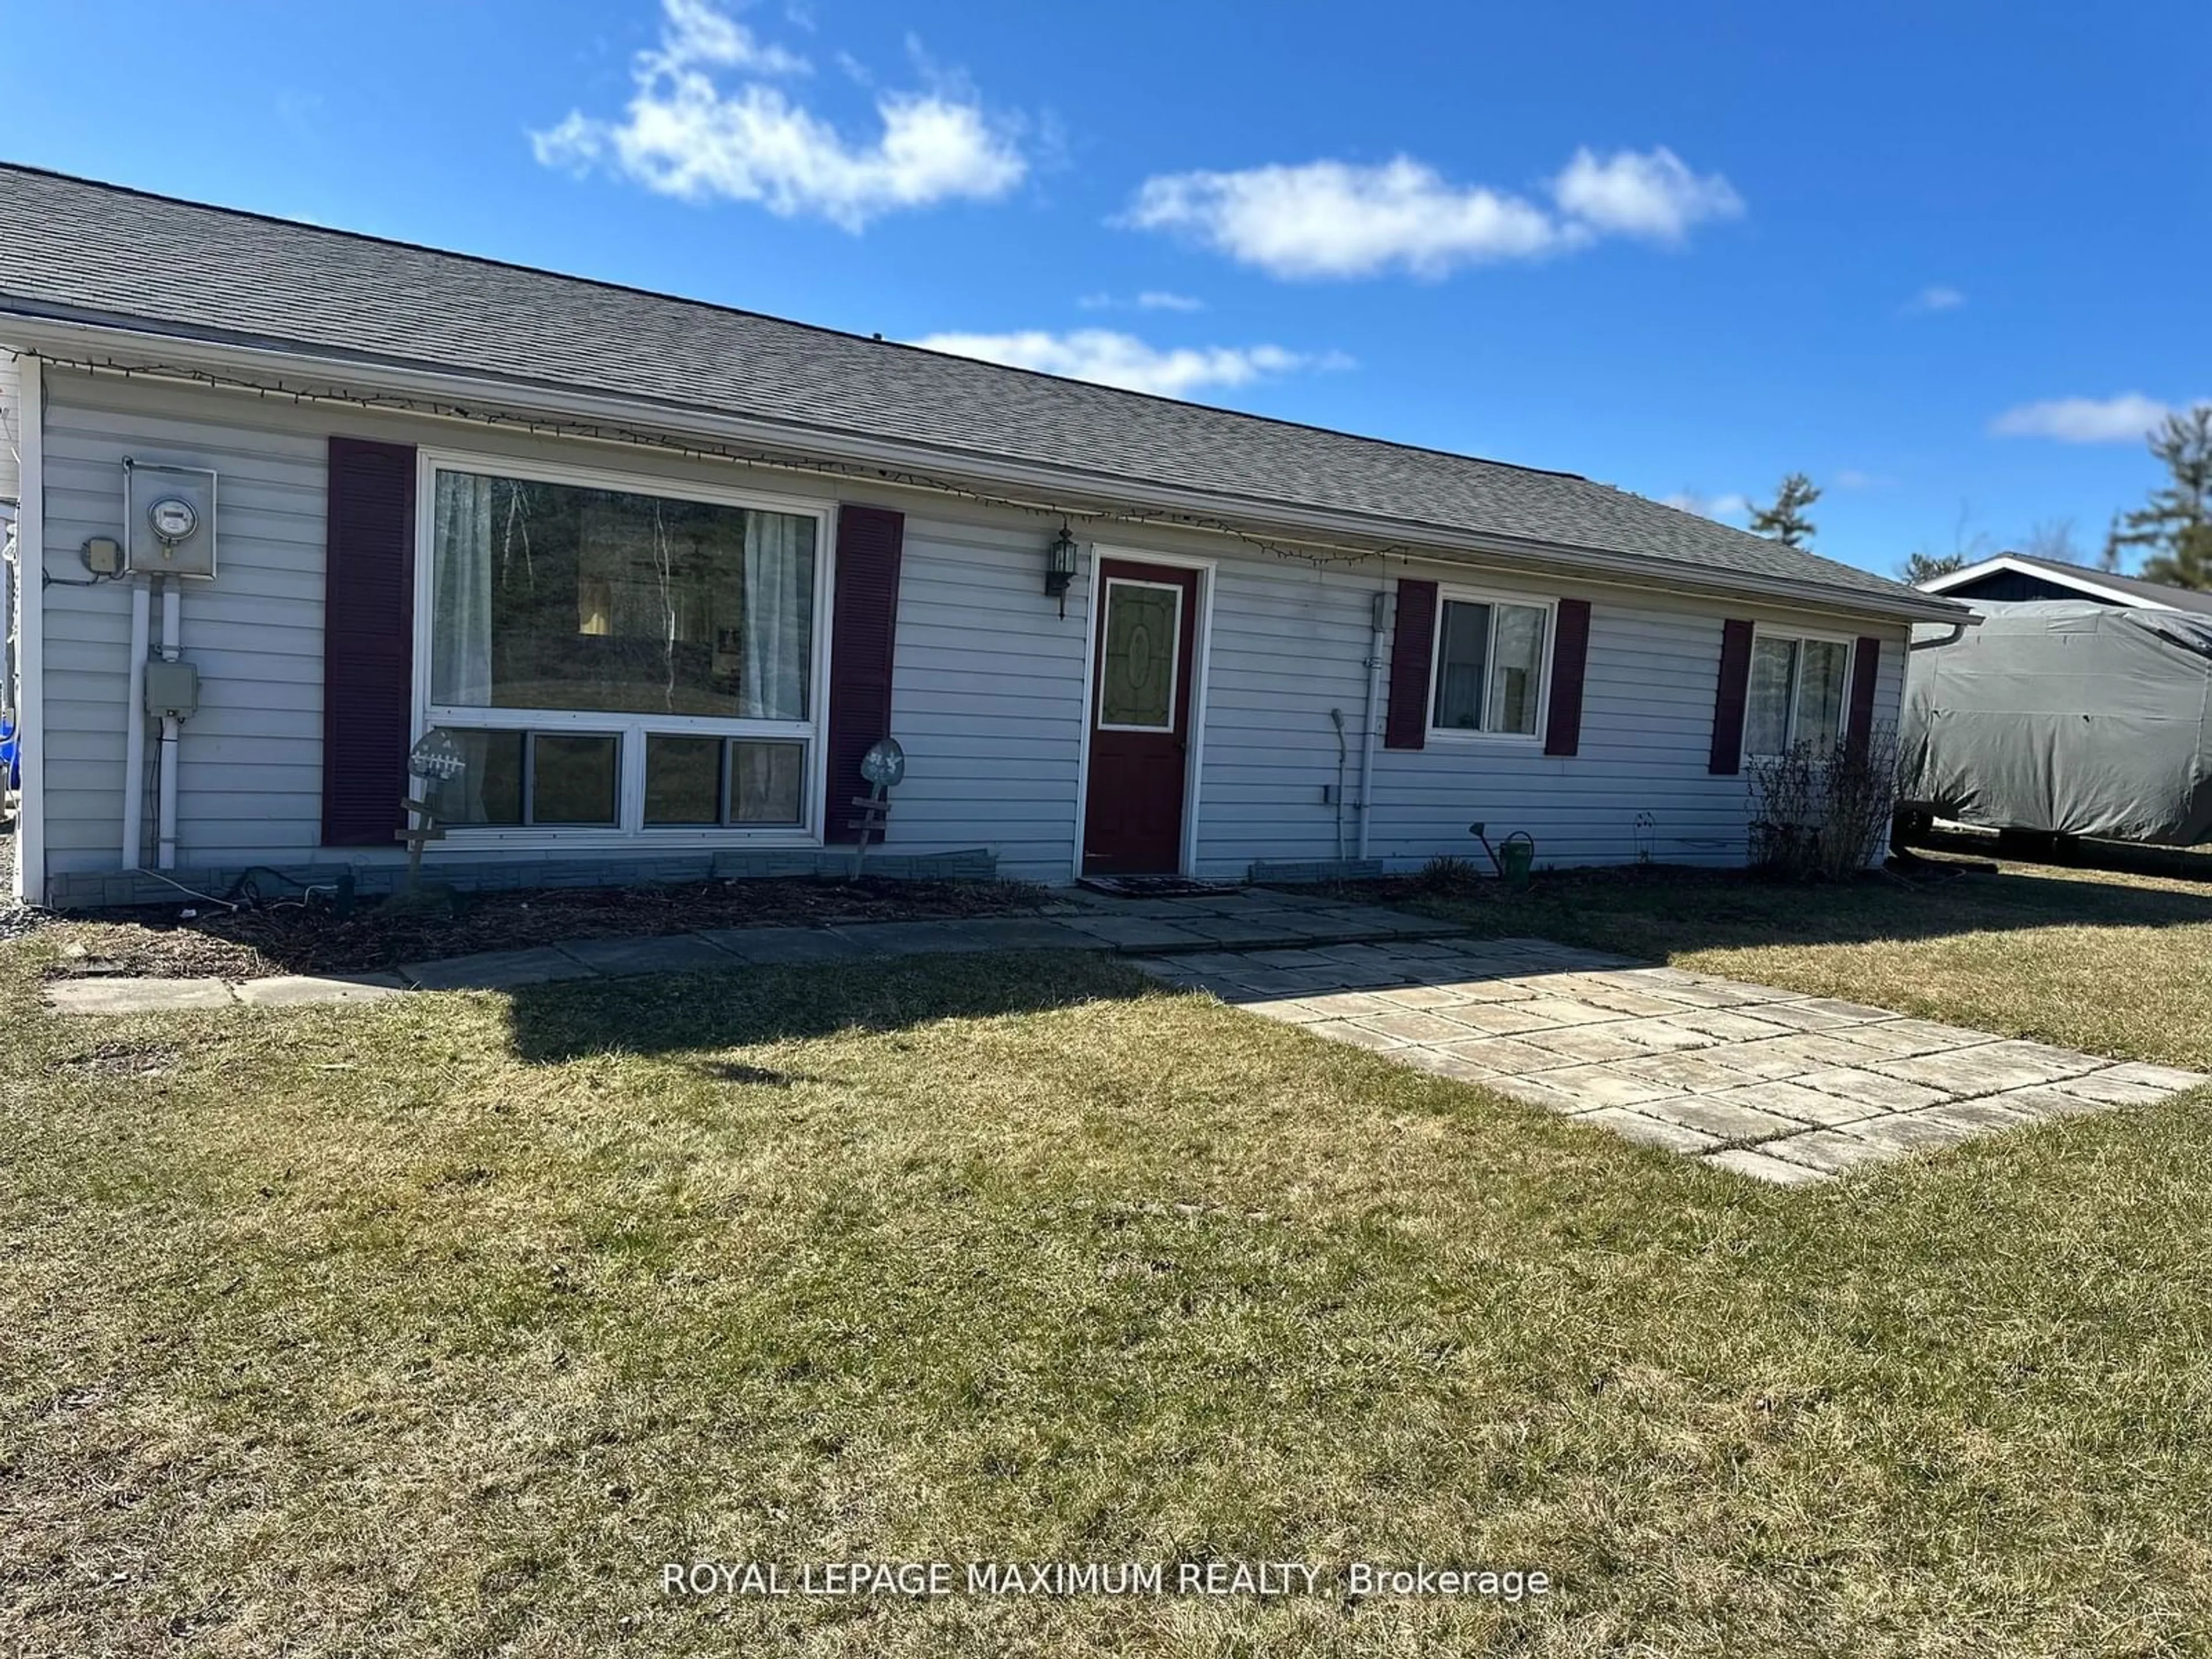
2045	572
41	331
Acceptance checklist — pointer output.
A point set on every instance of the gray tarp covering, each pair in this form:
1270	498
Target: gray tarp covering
2077	719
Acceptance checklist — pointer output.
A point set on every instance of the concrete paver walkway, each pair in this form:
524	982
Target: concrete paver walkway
1771	1084
1077	921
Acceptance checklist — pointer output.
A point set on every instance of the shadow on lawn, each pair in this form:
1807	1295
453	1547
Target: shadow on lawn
1650	913
668	1014
1655	911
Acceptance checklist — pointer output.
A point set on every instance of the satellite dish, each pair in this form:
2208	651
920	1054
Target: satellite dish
885	764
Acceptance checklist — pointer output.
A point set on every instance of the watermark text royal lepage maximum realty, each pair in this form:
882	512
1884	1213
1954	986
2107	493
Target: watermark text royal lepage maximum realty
921	1580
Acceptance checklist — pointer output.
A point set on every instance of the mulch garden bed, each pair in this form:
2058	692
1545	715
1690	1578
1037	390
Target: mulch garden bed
165	941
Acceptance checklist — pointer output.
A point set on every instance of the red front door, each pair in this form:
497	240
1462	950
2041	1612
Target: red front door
1140	719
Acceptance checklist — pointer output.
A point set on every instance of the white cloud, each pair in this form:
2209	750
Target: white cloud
1933	298
1150	300
2082	420
1725	507
1338	219
1851	478
1332	219
1654	196
704	121
693	32
1114	359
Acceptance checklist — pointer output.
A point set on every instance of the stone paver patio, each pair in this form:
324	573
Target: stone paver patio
1075	920
1770	1084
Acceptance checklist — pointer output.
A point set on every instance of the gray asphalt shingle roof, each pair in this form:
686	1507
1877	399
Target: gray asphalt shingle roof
91	252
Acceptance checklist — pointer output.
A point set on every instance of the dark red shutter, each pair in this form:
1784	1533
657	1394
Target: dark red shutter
1866	668
1735	690
368	640
1413	649
1562	732
863	633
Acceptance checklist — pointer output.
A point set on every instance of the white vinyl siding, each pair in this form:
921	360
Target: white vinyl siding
1289	646
988	697
250	776
1288	656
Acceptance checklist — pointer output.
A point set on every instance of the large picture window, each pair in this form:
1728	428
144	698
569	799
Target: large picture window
619	659
1490	668
1796	693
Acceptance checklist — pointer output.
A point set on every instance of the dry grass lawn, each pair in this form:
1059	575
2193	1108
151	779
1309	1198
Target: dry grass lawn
435	1328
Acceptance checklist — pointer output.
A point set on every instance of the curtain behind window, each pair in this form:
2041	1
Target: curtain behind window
460	603
1773	669
1461	662
1820	691
779	610
1517	663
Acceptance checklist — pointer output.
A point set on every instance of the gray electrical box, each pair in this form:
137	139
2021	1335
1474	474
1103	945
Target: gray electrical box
173	690
168	519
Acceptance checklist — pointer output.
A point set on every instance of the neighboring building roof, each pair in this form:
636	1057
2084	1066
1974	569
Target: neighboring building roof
2102	584
72	249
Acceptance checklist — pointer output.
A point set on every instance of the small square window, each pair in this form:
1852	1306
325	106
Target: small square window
1490	668
572	779
766	782
683	780
1796	695
489	790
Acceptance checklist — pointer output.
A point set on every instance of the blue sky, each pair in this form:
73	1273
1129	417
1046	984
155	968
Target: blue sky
1948	260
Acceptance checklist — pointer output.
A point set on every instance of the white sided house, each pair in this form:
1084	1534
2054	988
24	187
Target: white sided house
663	572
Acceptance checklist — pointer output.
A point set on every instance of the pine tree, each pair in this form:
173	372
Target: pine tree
2108	560
1785	521
2176	524
1923	566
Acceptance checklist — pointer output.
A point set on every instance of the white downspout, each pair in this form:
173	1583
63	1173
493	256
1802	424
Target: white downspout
134	730
1375	643
30	884
172	604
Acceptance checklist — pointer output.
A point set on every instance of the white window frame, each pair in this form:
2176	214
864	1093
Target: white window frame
630	830
1792	736
1175	646
1494	598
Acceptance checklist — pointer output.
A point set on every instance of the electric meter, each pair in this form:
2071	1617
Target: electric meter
174	517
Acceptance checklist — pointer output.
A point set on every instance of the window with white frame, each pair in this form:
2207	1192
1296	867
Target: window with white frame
1489	677
1797	694
619	659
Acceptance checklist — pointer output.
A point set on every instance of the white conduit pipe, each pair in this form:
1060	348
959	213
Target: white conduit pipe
134	729
1367	725
172	605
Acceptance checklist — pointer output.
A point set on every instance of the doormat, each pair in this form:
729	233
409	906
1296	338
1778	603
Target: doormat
1157	887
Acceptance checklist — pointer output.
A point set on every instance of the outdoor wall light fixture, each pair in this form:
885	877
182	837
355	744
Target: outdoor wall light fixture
1060	567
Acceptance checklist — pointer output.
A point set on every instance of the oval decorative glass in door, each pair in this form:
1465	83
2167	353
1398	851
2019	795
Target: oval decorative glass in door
1138	684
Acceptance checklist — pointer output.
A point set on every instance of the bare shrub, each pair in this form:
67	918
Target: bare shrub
1821	812
1450	876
